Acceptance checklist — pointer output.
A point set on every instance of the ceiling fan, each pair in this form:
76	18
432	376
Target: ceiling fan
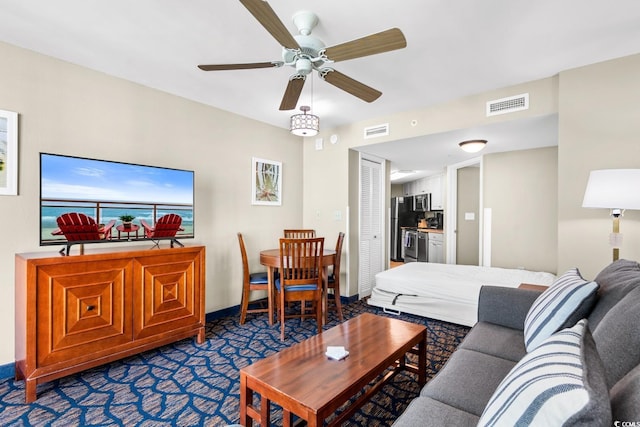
306	53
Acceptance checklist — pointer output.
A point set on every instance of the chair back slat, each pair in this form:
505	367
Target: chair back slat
301	260
299	233
245	260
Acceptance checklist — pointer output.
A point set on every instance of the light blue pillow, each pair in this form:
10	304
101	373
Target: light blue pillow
569	299
561	382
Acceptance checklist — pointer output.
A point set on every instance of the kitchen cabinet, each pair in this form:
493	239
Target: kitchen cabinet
433	185
436	248
408	188
78	312
436	185
422	186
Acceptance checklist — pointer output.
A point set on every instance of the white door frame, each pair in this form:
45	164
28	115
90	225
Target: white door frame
451	213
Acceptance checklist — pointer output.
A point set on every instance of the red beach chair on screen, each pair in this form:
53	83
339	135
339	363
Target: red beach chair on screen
166	227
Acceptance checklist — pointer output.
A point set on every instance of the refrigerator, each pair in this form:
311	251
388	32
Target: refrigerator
402	215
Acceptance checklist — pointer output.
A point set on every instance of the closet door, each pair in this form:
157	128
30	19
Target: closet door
371	225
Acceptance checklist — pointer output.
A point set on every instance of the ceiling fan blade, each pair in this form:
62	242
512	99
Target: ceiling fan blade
261	10
373	44
350	85
222	67
292	93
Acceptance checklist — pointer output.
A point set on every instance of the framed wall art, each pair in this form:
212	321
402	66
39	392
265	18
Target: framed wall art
266	187
8	153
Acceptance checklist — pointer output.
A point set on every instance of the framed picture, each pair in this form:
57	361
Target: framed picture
266	188
8	153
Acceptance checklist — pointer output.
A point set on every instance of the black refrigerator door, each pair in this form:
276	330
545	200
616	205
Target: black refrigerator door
406	204
408	219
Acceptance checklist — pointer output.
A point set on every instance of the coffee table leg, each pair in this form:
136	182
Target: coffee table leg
265	412
246	399
422	360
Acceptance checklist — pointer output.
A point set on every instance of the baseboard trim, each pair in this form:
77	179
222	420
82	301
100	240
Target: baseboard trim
7	371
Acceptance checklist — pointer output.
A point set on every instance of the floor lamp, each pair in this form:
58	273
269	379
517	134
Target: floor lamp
617	190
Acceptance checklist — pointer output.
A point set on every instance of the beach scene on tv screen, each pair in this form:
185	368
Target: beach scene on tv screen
106	190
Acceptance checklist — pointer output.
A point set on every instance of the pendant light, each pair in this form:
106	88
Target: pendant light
305	124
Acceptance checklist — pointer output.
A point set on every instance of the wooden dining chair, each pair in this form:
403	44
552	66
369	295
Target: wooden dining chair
333	282
299	234
251	282
300	278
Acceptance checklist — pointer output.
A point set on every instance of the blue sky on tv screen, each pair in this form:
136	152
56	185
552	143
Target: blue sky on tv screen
85	179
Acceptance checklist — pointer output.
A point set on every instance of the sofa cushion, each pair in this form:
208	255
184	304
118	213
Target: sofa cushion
569	299
495	340
467	380
625	397
617	337
505	306
561	382
615	281
425	412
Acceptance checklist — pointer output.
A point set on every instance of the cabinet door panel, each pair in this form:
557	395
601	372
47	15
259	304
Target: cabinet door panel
166	292
80	313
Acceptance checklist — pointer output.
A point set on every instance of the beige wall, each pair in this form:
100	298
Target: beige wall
599	127
67	109
520	188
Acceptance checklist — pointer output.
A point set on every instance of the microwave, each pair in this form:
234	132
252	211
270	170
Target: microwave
422	202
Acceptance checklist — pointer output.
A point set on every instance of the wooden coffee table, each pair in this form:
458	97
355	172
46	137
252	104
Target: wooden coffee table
305	382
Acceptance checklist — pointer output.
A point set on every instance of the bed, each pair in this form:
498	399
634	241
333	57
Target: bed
444	291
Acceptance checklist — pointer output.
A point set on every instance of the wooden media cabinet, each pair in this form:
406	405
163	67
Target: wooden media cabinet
77	312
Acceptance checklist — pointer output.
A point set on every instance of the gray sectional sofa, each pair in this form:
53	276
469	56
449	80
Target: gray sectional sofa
468	383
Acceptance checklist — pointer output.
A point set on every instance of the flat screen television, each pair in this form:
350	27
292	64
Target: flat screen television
108	191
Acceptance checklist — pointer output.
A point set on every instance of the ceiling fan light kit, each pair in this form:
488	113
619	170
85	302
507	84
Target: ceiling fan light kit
305	124
473	145
307	53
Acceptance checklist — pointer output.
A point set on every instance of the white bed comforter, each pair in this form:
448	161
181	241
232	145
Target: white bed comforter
445	291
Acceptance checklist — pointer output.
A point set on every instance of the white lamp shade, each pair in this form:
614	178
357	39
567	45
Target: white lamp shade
613	189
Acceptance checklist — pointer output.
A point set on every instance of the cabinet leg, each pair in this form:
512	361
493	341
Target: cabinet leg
200	336
30	391
18	374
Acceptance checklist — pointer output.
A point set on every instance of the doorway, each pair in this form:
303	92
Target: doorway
464	219
468	216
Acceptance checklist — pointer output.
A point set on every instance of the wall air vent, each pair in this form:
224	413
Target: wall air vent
508	105
376	131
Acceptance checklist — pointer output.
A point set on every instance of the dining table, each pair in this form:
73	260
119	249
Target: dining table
271	259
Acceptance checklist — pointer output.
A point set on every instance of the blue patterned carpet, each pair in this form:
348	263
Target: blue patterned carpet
186	384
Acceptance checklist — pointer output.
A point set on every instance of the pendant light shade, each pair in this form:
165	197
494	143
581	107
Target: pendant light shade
305	124
473	145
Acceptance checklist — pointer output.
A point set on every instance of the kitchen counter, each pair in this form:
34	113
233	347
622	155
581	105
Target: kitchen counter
431	230
425	230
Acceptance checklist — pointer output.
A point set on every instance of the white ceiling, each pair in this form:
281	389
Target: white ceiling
454	48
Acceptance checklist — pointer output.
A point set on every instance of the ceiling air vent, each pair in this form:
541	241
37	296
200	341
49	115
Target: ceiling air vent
376	131
508	105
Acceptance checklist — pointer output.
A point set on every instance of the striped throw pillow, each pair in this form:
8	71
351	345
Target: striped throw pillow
569	299
559	383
